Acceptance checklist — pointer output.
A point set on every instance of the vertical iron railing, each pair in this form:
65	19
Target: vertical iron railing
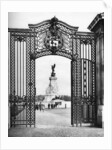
22	95
83	104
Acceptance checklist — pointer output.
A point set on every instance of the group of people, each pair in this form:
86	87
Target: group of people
52	106
40	107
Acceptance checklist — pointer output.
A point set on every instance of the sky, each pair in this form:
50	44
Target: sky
43	64
80	19
62	70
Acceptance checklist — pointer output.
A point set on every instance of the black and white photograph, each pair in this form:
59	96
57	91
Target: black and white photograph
55	74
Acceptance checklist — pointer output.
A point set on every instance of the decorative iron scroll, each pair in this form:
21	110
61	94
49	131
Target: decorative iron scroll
53	43
55	39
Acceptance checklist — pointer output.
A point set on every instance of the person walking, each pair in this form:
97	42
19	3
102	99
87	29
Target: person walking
48	106
40	106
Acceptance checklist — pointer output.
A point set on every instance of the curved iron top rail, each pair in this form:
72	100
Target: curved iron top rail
48	22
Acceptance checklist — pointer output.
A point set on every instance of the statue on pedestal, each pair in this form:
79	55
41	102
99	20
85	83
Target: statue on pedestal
52	89
53	73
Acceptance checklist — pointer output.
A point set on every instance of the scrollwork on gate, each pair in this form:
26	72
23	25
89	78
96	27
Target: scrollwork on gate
55	39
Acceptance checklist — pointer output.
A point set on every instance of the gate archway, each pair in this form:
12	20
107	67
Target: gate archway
51	37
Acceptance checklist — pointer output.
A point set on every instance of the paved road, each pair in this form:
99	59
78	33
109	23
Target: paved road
53	117
55	123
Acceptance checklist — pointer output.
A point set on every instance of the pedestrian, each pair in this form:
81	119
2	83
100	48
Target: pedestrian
43	107
48	106
40	106
37	107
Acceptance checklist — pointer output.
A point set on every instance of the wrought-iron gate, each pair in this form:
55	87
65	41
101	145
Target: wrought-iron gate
51	37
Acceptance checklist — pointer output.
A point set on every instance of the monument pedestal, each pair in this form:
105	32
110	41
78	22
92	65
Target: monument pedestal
52	90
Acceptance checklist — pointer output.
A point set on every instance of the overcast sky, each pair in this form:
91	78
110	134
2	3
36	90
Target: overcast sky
43	65
62	70
21	20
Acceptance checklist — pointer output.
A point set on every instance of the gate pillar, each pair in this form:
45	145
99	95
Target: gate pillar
76	92
76	84
12	76
30	81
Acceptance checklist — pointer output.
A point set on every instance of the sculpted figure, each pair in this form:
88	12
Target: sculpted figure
53	67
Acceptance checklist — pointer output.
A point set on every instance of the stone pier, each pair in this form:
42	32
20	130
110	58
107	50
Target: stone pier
97	26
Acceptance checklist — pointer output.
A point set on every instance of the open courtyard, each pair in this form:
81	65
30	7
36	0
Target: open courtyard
55	123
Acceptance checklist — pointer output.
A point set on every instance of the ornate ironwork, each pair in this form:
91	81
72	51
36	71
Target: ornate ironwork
30	84
52	37
53	42
12	76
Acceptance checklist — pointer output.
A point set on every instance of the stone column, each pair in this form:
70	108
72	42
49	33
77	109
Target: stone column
97	26
100	77
97	71
102	69
8	80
